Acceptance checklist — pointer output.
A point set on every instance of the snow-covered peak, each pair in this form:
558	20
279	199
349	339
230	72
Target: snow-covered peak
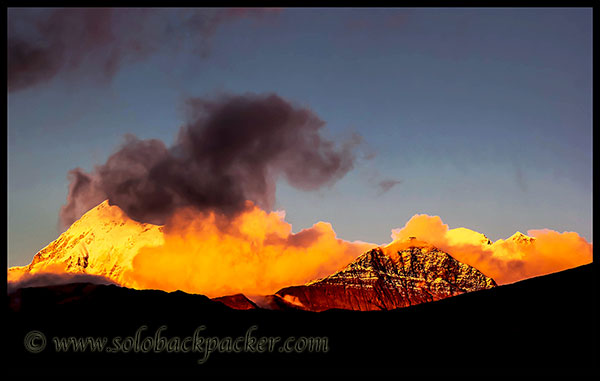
102	242
464	236
521	238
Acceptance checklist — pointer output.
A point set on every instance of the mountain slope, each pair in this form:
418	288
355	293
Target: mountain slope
399	275
102	242
539	323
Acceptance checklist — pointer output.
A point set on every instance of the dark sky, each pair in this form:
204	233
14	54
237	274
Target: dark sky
480	116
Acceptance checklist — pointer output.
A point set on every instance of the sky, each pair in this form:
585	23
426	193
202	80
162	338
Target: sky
480	116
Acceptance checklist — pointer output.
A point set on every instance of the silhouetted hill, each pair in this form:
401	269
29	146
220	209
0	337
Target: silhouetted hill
542	322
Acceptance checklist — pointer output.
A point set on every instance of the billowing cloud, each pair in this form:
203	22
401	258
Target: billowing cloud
506	261
255	253
232	151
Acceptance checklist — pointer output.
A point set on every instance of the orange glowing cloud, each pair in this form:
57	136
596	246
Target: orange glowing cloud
257	253
506	261
254	253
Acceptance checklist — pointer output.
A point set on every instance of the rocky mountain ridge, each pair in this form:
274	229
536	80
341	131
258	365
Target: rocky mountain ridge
398	275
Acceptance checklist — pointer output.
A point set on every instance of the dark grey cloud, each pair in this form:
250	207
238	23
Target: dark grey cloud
387	184
95	42
233	149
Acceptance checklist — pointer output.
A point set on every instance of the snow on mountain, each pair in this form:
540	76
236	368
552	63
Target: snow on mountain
102	242
521	238
401	274
459	236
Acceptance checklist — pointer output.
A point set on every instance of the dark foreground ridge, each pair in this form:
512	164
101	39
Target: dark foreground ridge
544	322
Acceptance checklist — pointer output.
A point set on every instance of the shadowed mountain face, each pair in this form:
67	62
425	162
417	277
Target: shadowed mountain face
237	302
544	322
398	275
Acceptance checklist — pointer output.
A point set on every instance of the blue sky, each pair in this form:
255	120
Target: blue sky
484	115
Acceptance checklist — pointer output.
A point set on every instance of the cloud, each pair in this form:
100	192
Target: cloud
506	261
232	150
386	185
96	42
255	253
47	278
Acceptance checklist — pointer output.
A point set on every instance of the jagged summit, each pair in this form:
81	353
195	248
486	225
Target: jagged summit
398	275
521	238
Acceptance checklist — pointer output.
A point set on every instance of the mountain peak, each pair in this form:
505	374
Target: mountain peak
102	242
105	213
519	237
401	274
